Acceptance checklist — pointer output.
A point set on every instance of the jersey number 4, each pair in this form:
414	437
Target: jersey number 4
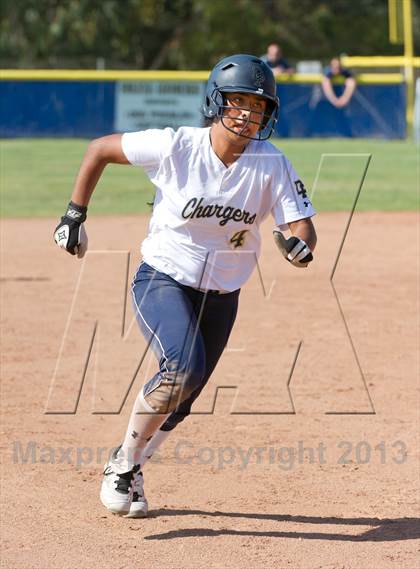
301	190
238	238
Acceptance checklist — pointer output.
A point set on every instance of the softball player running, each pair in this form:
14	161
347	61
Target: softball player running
214	187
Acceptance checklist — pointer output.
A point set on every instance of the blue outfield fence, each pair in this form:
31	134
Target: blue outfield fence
56	108
375	111
89	109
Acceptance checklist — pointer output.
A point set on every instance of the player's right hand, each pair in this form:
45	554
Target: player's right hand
70	233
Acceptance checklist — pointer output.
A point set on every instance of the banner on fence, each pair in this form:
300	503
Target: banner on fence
157	104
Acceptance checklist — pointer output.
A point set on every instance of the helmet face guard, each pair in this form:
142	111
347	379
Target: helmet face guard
267	119
242	74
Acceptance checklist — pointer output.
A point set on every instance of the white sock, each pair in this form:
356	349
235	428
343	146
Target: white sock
155	442
143	423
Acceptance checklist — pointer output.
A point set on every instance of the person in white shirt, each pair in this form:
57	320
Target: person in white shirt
214	187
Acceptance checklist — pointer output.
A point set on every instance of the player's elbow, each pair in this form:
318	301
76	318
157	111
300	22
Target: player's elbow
107	149
96	151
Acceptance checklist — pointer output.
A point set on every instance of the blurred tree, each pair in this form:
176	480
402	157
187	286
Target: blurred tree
188	34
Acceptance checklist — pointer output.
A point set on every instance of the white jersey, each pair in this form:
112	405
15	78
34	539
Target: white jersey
204	230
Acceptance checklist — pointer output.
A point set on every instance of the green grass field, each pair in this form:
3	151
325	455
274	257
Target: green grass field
37	175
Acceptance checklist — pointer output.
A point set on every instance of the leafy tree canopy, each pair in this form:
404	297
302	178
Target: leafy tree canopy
188	34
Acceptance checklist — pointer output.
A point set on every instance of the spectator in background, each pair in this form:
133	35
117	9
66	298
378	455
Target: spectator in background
274	59
333	71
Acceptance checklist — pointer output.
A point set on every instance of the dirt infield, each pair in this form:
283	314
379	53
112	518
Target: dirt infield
311	462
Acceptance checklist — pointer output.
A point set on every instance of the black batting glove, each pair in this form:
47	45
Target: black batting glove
294	250
70	233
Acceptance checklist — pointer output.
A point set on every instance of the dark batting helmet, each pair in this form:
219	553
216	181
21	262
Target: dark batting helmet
242	74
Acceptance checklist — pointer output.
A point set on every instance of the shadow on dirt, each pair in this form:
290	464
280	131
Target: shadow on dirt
398	529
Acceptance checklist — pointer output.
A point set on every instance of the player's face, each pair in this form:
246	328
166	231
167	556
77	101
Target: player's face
273	52
335	66
244	113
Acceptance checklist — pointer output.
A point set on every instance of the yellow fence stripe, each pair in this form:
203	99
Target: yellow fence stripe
362	78
378	61
103	75
92	75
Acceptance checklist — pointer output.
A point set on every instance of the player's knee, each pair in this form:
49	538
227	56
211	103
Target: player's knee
173	385
188	372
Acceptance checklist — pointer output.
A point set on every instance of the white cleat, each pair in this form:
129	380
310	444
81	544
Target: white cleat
117	490
139	506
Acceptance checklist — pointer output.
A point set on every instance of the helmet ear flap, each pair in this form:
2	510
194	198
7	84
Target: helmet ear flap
218	98
215	102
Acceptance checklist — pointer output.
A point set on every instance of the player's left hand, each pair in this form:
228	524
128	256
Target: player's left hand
70	233
294	250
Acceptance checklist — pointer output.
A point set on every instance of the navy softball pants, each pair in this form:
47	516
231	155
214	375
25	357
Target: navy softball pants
187	330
